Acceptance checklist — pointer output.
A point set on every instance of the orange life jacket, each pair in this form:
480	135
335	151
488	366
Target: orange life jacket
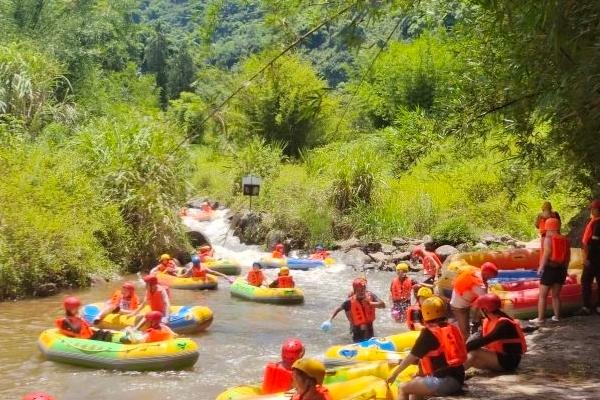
541	222
285	281
322	394
123	302
361	312
277	254
319	255
81	329
452	350
413	317
155	299
157	335
466	281
561	249
169	267
199	272
401	290
498	345
255	278
276	379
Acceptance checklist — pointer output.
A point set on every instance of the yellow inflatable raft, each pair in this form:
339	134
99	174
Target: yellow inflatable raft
192	283
171	354
390	348
240	288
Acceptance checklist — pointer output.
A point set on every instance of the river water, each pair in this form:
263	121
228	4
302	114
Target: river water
243	337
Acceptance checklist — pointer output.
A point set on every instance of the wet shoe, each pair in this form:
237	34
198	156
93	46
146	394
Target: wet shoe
555	318
537	321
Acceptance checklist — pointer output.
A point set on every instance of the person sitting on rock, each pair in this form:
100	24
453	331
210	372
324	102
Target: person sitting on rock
400	290
255	276
166	266
432	265
278	251
284	279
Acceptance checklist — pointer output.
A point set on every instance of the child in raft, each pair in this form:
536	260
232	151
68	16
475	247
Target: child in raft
156	332
255	276
124	301
74	326
283	280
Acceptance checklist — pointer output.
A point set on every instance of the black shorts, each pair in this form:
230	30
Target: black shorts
509	362
553	275
358	335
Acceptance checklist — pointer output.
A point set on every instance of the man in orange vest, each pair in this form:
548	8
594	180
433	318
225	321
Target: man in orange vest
591	251
432	265
501	343
440	351
124	301
156	297
400	290
309	374
540	221
166	266
284	279
554	261
278	376
360	310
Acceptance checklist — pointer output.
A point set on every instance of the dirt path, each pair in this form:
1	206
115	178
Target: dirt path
563	362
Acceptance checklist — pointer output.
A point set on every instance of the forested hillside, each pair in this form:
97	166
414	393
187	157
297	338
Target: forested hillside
364	118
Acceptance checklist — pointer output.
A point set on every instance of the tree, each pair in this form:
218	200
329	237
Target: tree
181	72
156	54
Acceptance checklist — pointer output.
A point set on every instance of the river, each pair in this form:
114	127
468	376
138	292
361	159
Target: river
233	351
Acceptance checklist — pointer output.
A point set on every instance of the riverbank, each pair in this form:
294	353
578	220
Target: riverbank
561	363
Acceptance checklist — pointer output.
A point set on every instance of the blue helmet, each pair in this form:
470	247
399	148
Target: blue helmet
195	260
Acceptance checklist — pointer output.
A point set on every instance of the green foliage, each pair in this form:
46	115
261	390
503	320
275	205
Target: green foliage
453	231
256	157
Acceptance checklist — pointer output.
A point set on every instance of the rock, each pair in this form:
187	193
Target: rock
247	225
445	251
379	257
506	238
463	247
368	267
355	257
489	239
273	237
399	256
411	247
512	242
387	249
399	242
345	245
96	279
388	267
428	243
415	242
46	289
372	247
415	267
196	238
480	246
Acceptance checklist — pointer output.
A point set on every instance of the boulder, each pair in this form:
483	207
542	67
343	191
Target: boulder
367	267
247	225
372	247
480	246
506	238
489	239
400	256
388	267
273	237
398	242
388	249
196	238
415	266
345	245
445	251
428	243
379	257
463	247
355	257
46	289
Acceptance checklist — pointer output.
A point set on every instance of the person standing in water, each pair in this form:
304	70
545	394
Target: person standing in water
400	290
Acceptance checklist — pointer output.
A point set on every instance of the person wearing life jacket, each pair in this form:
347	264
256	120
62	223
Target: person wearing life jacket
555	258
320	253
467	286
156	330
591	268
283	280
37	396
124	301
432	265
360	311
414	317
206	253
501	343
308	376
255	276
278	376
205	206
400	290
72	324
157	297
541	218
440	351
166	266
197	270
278	251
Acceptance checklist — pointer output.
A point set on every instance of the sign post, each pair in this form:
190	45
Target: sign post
251	187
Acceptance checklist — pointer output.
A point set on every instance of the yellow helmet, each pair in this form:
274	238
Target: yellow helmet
284	271
433	308
424	292
165	257
311	367
402	267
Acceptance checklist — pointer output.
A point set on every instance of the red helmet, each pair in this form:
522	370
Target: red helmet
291	350
359	283
488	302
71	302
128	285
552	224
489	270
37	396
279	246
154	316
151	279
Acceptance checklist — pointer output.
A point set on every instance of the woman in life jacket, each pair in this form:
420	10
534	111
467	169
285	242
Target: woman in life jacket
414	317
124	301
555	258
255	276
500	344
278	376
156	331
467	286
440	351
278	251
400	290
157	297
206	253
432	265
73	325
283	280
540	221
197	270
360	311
308	375
166	266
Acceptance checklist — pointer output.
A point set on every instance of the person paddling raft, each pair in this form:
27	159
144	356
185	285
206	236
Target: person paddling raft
556	254
500	343
166	266
278	377
283	280
440	351
197	270
206	253
400	290
308	376
360	310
